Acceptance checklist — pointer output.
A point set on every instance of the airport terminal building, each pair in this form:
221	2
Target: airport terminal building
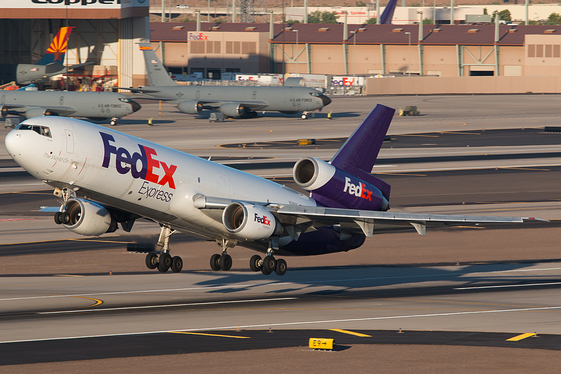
105	34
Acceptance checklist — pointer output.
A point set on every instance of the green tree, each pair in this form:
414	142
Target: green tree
428	21
360	4
322	17
504	15
371	21
554	19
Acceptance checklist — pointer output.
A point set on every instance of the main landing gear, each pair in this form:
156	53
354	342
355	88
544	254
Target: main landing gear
266	265
164	261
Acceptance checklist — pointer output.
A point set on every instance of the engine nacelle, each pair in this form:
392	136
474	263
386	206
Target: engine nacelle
232	109
88	218
250	222
3	111
190	107
38	112
335	188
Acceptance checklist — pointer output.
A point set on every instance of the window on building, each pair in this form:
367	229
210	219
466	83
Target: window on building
197	47
548	50
539	50
249	48
531	50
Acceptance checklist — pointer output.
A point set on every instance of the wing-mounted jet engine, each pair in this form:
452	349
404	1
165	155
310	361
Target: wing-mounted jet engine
190	107
86	218
250	222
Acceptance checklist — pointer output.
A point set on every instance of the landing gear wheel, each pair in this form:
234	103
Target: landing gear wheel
164	263
65	218
176	264
58	218
113	121
225	262
281	267
151	260
269	264
215	262
254	263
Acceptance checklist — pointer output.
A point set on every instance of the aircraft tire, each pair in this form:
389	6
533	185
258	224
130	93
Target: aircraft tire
58	218
254	263
225	262
269	264
113	121
176	264
151	260
65	218
215	262
281	267
164	262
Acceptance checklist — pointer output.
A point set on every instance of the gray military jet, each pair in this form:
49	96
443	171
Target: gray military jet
232	101
96	106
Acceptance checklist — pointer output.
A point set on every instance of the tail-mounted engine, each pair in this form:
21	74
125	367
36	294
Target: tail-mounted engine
86	218
190	107
333	187
250	222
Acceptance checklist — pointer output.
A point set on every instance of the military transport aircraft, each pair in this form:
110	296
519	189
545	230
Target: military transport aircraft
96	106
50	65
106	178
232	101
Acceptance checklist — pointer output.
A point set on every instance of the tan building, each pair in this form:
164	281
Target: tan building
450	51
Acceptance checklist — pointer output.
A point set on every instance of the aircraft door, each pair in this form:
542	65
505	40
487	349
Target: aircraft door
3	101
69	141
198	94
254	95
61	100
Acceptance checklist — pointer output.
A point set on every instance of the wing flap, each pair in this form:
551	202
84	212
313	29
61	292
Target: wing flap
367	220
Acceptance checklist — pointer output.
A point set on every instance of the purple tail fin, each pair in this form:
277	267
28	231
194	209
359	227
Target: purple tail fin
358	155
387	15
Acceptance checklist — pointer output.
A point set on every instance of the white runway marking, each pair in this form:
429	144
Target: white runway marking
167	306
509	286
269	325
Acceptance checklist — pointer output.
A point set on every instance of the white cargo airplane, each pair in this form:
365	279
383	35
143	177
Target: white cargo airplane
106	178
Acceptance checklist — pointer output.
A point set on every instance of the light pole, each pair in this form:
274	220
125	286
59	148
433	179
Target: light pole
296	59
409	71
355	33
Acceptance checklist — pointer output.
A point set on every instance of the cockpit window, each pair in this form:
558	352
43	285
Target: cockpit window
316	94
126	99
41	130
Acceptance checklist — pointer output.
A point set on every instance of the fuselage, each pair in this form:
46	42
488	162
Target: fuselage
70	103
135	175
280	99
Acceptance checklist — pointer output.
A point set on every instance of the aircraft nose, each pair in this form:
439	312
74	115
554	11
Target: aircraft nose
135	106
325	99
14	143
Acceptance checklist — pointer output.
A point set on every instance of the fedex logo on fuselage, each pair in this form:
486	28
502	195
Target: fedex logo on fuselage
357	190
263	220
126	161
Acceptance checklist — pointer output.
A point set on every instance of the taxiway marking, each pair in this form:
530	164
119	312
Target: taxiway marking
351	333
508	286
205	334
520	337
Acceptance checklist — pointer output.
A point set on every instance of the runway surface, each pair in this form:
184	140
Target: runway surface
65	298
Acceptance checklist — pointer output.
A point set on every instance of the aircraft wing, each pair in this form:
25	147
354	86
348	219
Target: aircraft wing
22	109
368	220
142	91
252	105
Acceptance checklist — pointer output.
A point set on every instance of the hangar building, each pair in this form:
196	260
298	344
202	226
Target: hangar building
105	33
